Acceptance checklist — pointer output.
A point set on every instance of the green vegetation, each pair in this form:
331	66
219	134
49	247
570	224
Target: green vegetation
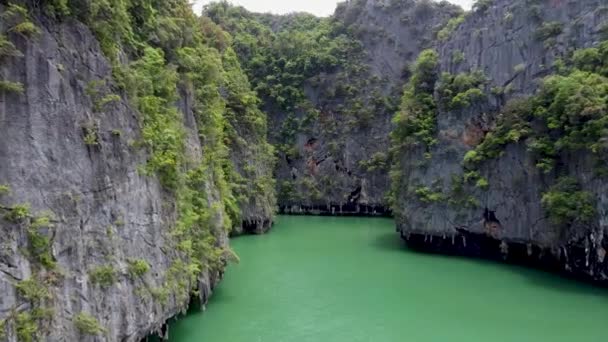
15	19
458	57
87	324
482	183
513	125
566	203
12	87
416	120
278	62
40	246
462	90
4	189
426	195
18	213
569	109
160	53
90	135
27	324
378	161
138	267
458	196
7	48
33	290
26	327
282	58
57	8
450	27
549	30
566	117
104	276
18	20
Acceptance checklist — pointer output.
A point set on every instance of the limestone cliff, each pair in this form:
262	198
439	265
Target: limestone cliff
330	88
457	196
120	171
485	144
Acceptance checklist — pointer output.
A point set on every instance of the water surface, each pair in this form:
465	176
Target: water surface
318	279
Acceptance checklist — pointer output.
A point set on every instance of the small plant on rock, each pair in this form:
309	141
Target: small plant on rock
104	276
88	324
4	189
138	268
18	213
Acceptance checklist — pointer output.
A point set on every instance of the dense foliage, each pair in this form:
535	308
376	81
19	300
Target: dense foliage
161	52
462	90
289	57
566	203
415	123
279	61
567	116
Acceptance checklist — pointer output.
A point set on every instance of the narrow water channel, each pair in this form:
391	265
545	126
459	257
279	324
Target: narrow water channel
317	279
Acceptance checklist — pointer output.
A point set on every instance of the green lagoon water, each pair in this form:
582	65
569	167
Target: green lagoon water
318	279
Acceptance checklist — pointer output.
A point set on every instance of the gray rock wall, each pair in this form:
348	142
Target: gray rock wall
333	151
502	42
104	210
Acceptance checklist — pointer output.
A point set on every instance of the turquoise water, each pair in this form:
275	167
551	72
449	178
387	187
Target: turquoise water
316	279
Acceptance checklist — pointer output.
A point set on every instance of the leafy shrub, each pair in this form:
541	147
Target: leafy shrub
4	189
33	290
7	48
482	183
565	203
592	59
138	268
462	90
87	324
416	119
450	27
104	276
26	326
426	195
457	57
549	30
57	8
40	245
378	161
18	213
18	19
12	87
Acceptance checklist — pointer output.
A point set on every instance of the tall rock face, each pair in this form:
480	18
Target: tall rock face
117	190
514	165
329	86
